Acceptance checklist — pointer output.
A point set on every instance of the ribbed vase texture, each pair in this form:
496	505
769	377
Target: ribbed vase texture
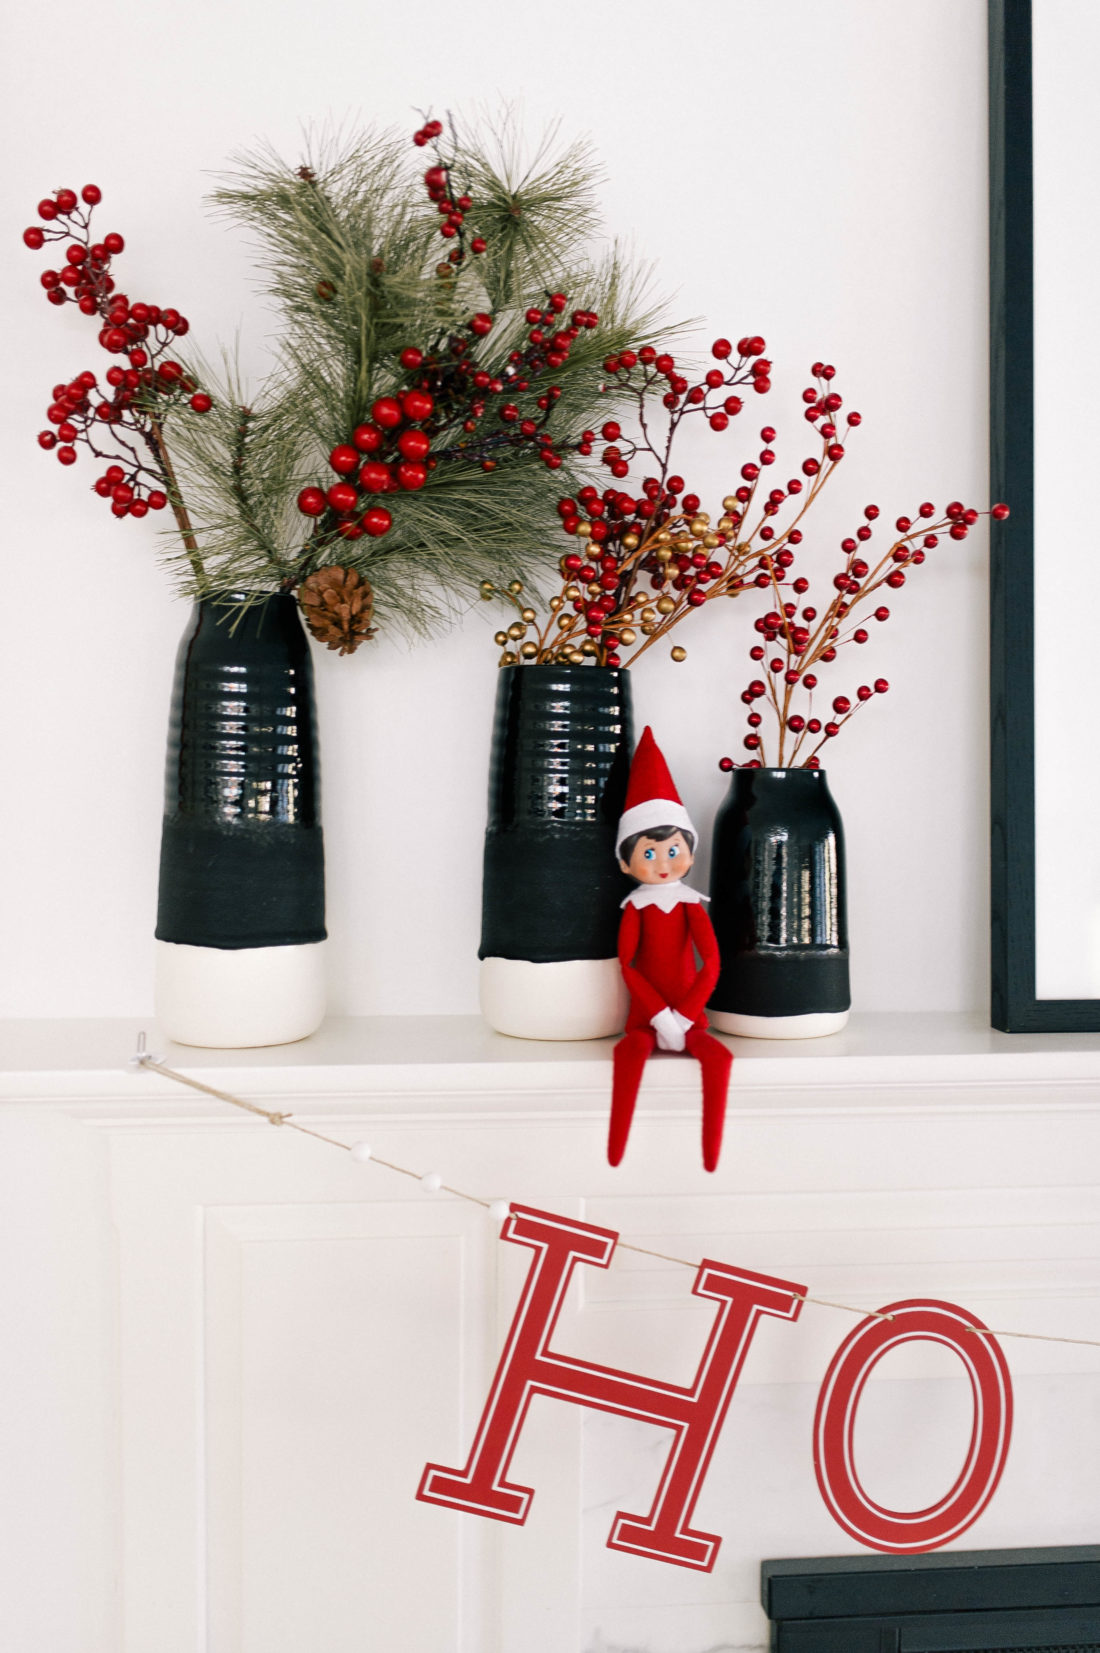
562	740
778	896
242	854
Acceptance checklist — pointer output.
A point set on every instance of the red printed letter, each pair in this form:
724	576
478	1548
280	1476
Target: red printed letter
900	1531
528	1367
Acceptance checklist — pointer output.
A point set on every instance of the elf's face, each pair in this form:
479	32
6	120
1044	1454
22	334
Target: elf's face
659	861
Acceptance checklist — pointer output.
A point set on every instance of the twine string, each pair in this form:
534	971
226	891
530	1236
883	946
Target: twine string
143	1059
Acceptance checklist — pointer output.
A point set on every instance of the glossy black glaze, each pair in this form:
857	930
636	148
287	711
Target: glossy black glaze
242	854
562	740
777	896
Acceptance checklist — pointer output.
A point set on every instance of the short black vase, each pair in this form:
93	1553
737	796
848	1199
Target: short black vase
241	908
778	907
551	891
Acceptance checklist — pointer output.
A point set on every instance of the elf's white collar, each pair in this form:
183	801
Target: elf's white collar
665	896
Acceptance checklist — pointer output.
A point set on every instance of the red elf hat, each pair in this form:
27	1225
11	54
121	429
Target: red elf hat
651	796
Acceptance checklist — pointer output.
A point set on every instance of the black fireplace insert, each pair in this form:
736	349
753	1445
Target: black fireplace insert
959	1601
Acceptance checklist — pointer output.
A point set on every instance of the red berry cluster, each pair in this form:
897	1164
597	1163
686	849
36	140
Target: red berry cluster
452	204
128	418
651	555
442	410
795	636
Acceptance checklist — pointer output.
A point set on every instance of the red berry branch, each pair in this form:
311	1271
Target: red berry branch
652	556
452	205
124	424
796	637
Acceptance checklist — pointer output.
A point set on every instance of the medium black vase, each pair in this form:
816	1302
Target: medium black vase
778	906
242	852
562	741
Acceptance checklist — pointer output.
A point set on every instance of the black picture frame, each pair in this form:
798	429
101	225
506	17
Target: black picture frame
1015	1007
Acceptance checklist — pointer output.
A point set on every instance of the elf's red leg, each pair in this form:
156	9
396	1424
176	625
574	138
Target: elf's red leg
631	1055
716	1062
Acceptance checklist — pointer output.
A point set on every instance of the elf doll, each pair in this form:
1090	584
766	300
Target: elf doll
664	928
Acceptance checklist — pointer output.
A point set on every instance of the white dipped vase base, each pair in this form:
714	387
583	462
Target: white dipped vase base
569	999
233	998
814	1025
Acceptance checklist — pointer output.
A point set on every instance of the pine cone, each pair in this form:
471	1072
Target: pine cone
338	603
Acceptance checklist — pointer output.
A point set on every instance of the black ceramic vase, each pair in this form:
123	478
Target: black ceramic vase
562	740
777	905
241	909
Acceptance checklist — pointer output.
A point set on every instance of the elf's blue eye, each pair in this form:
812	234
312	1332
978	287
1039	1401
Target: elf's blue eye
649	854
673	851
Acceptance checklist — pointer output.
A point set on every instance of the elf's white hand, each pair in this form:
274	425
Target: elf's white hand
670	1028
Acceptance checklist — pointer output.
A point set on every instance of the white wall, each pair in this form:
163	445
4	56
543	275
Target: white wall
813	172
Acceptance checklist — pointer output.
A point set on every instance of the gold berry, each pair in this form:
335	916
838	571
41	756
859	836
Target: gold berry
627	636
665	605
678	654
517	630
501	639
527	614
529	651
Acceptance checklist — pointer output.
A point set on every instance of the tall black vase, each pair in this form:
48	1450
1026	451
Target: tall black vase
241	908
778	907
551	892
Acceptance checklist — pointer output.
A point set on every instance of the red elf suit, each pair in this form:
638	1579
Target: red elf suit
664	927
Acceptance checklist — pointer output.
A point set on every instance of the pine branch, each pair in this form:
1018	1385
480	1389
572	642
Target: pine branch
350	253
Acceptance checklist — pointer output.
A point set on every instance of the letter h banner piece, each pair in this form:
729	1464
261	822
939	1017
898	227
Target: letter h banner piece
529	1367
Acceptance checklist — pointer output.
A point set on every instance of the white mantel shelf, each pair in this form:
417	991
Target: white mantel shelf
454	1065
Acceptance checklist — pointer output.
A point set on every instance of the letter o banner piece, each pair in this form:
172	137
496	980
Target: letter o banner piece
899	1531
